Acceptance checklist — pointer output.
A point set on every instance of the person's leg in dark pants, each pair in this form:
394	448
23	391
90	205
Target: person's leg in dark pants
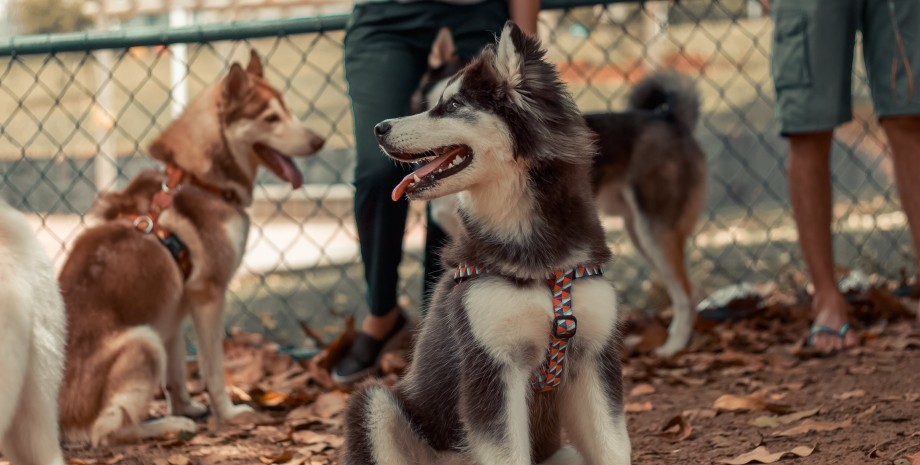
382	69
386	50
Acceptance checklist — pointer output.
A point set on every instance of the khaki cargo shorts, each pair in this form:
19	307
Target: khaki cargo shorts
812	64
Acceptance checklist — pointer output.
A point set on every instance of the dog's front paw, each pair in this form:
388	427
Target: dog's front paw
671	347
191	409
237	414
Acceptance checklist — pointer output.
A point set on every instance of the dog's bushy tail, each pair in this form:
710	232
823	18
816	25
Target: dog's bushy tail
669	92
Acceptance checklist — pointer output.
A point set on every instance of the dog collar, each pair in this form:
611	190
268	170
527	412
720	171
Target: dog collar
564	322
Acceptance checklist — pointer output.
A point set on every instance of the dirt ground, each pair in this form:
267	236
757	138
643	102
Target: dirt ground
745	388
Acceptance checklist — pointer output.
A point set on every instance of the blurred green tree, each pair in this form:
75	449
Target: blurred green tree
48	16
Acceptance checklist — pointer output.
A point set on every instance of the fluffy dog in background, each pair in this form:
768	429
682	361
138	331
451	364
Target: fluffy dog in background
32	333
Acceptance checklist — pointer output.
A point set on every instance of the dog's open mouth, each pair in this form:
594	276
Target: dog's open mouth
446	162
280	164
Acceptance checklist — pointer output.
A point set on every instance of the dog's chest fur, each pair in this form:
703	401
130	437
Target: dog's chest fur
514	320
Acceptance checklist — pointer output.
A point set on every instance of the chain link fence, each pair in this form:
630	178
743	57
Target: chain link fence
80	109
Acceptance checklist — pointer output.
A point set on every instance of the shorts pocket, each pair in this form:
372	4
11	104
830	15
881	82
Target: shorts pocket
791	65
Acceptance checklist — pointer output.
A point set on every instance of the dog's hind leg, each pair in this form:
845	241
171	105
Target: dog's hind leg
664	249
591	408
380	433
680	291
137	370
157	428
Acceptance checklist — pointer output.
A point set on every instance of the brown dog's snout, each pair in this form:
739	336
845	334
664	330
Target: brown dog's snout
317	142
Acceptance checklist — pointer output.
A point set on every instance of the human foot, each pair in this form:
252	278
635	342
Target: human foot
830	329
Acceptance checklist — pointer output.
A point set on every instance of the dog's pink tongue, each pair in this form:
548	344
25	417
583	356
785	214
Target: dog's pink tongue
425	170
283	167
290	173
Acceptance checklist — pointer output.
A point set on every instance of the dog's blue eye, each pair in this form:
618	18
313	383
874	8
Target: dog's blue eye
453	105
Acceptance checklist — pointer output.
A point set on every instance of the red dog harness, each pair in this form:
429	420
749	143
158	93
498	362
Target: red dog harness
149	223
564	322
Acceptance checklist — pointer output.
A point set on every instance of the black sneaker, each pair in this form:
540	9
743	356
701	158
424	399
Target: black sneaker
364	357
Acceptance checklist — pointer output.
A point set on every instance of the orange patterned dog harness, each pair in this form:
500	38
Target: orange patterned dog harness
564	322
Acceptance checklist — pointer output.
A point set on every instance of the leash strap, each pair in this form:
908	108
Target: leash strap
564	322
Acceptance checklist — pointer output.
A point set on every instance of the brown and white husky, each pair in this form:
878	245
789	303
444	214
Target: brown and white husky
649	170
164	248
504	135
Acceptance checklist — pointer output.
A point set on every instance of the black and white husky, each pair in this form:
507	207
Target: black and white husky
506	136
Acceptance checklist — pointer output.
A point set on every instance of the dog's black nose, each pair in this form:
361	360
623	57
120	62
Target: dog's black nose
382	128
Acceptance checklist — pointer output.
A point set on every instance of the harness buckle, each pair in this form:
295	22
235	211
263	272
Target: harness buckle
144	224
564	326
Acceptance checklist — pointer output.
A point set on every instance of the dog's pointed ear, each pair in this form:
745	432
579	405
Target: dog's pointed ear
509	59
443	49
237	82
255	63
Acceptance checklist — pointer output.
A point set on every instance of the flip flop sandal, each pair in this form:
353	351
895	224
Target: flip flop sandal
821	329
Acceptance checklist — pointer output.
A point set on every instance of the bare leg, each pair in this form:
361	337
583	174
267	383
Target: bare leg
904	137
378	327
810	193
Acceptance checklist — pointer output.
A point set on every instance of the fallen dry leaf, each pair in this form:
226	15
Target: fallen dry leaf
774	421
756	402
861	370
676	429
117	458
653	336
178	460
270	398
763	455
808	426
638	407
695	413
914	459
330	404
283	457
642	389
850	394
867	412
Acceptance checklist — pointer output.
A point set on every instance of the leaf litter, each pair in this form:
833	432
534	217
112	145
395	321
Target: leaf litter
743	379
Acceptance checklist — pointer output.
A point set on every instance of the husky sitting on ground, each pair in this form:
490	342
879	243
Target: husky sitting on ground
649	169
31	346
498	368
166	247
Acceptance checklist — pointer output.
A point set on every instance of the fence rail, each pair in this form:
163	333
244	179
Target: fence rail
81	109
